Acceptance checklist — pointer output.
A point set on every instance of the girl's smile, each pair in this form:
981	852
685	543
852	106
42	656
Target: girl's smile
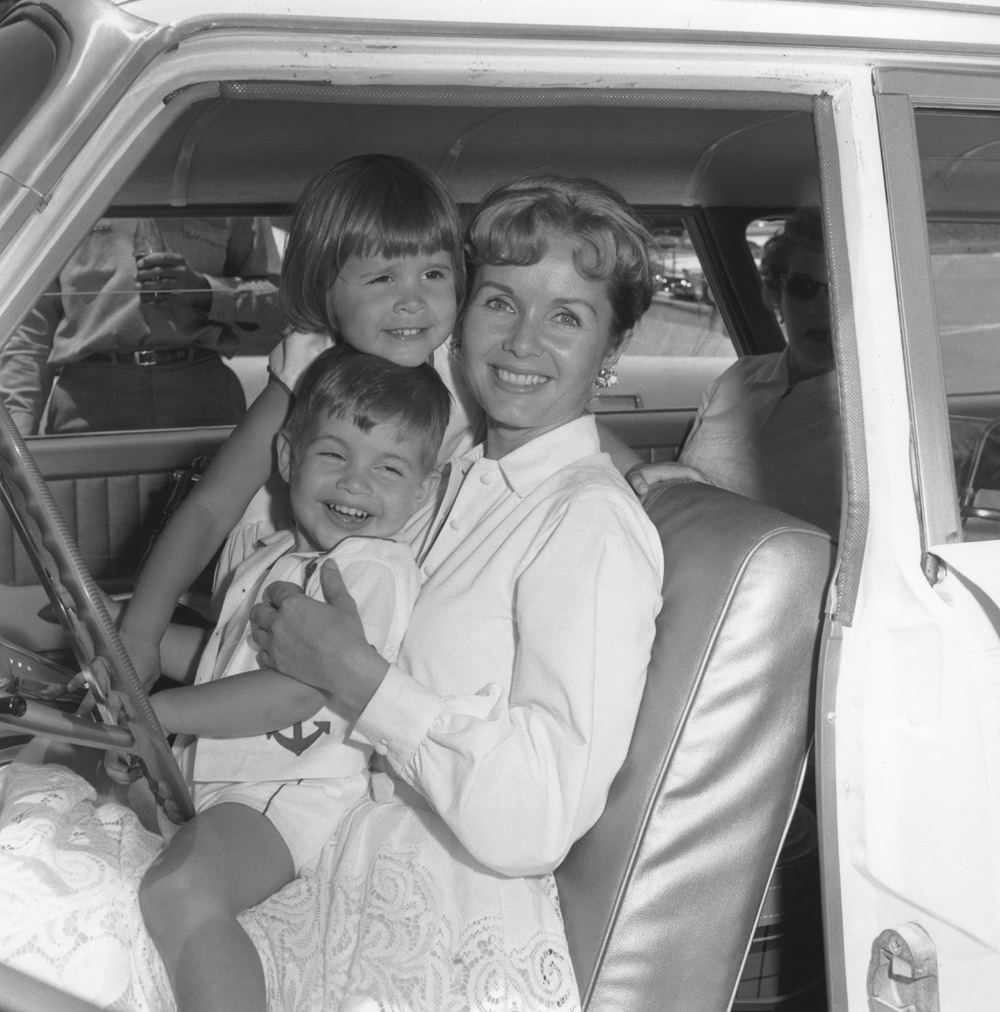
400	308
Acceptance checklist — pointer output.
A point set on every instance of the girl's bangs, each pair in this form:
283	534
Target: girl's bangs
404	226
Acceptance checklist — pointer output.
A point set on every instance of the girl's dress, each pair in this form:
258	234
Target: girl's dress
502	725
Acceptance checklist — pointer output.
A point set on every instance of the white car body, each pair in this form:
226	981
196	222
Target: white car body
908	707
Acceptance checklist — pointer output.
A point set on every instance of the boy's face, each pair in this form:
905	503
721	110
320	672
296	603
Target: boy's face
347	482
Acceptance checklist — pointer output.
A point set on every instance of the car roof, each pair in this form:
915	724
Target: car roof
892	24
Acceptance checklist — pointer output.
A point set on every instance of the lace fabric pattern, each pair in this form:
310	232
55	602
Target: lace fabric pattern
69	878
394	918
410	923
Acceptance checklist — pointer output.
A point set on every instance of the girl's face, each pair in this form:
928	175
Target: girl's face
399	308
533	340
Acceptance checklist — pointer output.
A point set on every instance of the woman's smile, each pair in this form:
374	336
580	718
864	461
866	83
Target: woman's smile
519	379
533	339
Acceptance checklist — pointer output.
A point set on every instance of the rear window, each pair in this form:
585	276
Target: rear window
27	61
681	344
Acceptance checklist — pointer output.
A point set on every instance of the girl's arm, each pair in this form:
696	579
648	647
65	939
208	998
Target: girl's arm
250	703
203	521
622	455
639	473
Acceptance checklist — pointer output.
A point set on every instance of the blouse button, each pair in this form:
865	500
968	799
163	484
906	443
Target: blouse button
455	525
487	479
382	748
428	570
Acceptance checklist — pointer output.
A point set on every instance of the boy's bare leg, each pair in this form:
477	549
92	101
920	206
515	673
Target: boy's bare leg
225	860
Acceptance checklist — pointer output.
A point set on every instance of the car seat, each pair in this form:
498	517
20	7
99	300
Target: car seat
661	896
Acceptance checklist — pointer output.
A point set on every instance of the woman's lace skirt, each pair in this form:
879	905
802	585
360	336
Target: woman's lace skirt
395	918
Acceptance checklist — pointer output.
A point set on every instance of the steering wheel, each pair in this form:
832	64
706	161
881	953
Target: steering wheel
93	636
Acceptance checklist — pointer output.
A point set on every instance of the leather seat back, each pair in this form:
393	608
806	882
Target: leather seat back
661	897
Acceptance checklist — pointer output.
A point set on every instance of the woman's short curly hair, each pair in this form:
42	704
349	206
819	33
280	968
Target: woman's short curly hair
803	229
511	222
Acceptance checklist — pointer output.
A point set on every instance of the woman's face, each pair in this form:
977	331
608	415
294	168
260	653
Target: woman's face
807	320
533	340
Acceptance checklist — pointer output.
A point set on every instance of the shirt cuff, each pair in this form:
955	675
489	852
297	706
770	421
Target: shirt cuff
223	307
398	716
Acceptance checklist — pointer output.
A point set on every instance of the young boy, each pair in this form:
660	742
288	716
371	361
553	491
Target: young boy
272	769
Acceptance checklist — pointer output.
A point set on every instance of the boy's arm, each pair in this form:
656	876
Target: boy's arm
203	521
180	650
250	703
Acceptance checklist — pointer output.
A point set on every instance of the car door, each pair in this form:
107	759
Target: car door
907	716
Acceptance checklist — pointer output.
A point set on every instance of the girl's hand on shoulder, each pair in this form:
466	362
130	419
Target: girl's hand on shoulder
295	354
644	476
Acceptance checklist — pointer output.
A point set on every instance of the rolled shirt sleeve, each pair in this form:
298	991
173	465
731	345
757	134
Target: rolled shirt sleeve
245	296
521	768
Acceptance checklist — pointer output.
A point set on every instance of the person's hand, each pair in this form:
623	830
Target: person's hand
323	645
166	277
643	476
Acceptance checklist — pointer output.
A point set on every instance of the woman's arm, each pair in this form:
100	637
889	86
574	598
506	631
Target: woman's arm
518	779
250	703
203	521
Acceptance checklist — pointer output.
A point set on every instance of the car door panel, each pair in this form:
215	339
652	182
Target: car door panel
111	489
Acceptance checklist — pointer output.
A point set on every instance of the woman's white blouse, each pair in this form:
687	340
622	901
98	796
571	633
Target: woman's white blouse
512	702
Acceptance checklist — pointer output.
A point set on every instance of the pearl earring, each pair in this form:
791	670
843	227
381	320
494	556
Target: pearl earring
607	377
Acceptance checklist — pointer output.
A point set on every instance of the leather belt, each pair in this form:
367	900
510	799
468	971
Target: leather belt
152	356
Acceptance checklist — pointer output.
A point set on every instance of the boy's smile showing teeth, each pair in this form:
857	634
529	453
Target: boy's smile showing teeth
345	481
349	513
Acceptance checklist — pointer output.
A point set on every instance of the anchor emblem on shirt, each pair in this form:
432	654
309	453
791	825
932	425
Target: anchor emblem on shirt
298	742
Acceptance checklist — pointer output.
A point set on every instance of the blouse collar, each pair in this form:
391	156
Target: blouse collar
525	468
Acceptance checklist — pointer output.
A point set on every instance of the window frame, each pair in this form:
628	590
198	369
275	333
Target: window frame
899	92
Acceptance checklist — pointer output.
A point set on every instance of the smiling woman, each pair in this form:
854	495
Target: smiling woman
509	710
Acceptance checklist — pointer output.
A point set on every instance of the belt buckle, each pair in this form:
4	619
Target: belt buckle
145	356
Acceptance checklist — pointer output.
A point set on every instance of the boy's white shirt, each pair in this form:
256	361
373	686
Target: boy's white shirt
382	577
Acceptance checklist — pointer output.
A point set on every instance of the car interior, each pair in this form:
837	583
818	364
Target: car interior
655	899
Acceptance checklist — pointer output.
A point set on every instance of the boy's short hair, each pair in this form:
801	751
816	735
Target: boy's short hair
369	390
363	206
510	223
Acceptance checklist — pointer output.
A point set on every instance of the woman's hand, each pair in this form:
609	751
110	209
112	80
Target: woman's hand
323	645
643	476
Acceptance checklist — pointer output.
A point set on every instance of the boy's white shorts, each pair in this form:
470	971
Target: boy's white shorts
307	813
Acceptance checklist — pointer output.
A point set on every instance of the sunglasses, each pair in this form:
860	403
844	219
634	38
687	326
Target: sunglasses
803	287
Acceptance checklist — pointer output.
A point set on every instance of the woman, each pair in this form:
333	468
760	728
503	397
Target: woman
518	681
512	703
769	427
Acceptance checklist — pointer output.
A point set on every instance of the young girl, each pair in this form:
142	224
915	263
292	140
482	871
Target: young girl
374	259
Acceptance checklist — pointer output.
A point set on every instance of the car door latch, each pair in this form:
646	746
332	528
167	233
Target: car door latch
903	973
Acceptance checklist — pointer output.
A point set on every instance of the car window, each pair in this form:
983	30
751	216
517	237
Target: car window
95	354
681	344
960	169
